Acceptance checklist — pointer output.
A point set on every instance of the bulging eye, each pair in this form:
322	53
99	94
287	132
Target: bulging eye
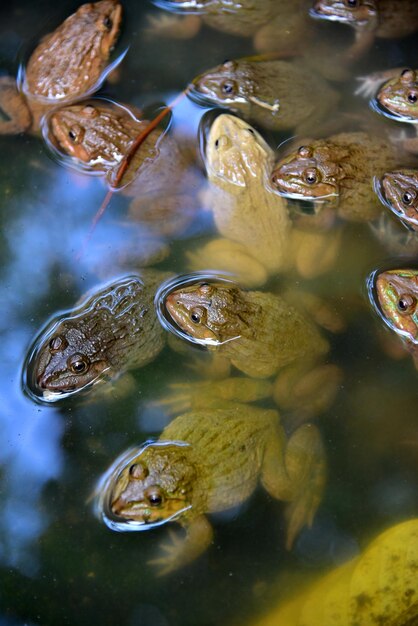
311	176
412	97
228	87
408	197
107	22
305	152
406	303
57	344
154	496
138	471
351	3
76	134
196	315
78	363
205	288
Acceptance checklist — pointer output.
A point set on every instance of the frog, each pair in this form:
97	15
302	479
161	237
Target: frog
112	329
386	19
399	191
337	172
259	334
271	94
273	26
69	63
95	135
257	234
394	294
207	461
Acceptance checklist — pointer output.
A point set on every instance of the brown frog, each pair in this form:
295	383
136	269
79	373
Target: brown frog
163	178
387	19
68	64
210	461
399	190
336	172
269	93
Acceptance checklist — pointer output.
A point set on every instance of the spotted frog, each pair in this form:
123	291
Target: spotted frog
97	134
67	64
268	93
394	293
113	329
336	172
210	461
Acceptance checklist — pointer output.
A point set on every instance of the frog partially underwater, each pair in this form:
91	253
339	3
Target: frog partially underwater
68	64
387	19
337	172
394	294
273	26
113	329
258	333
210	461
399	191
271	94
97	134
258	236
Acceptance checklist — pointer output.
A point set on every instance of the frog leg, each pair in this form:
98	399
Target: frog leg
213	394
181	551
305	390
15	116
229	257
363	41
172	26
297	476
370	83
322	311
315	252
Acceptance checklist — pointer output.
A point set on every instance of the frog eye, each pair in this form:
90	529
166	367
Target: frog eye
406	303
407	75
228	87
78	363
57	344
107	22
90	111
351	3
138	471
205	288
154	496
412	97
305	152
311	176
76	134
196	315
408	197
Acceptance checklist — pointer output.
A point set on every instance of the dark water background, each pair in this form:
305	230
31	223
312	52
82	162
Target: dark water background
58	564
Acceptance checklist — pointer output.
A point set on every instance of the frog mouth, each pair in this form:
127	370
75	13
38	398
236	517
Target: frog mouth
381	109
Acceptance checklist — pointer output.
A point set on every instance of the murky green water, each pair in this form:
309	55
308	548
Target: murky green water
59	565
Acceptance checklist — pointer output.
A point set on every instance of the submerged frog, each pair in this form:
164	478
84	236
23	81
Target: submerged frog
259	333
337	172
399	190
97	134
387	19
209	461
113	329
269	93
68	64
394	293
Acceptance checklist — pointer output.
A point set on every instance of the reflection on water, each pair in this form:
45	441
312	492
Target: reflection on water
55	557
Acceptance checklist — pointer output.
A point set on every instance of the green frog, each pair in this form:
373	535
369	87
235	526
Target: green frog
273	26
394	293
257	232
208	461
271	94
113	329
399	190
336	172
258	333
387	19
67	64
97	134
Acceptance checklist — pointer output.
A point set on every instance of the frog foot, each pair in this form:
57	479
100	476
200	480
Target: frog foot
15	116
215	368
229	257
307	393
368	85
183	550
172	26
213	394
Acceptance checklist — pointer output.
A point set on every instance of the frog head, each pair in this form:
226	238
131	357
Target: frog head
400	193
155	486
399	96
307	174
360	14
236	154
223	85
396	296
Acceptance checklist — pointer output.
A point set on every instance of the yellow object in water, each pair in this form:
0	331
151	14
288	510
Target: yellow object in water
379	586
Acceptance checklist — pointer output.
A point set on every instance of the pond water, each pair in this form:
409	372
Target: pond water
58	563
